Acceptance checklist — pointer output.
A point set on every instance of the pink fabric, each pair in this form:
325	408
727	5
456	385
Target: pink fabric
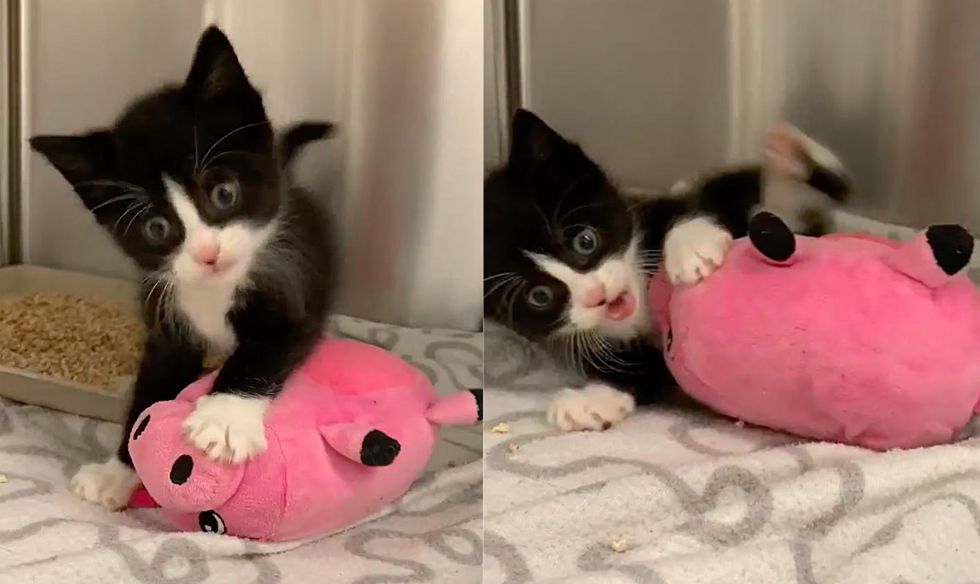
852	339
310	480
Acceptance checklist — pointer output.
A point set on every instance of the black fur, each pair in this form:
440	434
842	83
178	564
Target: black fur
547	190
210	130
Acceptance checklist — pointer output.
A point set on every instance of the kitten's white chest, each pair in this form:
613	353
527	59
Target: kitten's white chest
206	307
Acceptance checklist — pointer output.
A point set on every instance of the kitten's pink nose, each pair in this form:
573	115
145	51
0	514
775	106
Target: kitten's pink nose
206	252
595	296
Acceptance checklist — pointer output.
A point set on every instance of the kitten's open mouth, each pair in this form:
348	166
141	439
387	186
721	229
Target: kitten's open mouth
621	307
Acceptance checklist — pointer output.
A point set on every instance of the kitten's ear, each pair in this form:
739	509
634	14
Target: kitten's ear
215	71
533	142
80	159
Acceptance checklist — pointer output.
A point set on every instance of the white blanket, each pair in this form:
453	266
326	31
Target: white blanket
434	534
681	496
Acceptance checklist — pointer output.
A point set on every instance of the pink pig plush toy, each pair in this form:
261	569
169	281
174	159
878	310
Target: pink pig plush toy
352	429
846	338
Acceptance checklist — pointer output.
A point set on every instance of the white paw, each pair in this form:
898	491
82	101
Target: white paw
110	483
693	250
594	407
228	427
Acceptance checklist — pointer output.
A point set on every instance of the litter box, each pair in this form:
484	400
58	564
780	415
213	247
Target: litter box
67	396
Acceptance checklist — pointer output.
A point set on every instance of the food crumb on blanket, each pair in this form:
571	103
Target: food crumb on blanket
500	428
513	447
619	545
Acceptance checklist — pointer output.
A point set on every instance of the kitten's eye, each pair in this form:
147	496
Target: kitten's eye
586	241
225	195
156	229
540	297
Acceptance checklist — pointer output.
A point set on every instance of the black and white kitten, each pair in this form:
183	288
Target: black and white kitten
567	256
191	184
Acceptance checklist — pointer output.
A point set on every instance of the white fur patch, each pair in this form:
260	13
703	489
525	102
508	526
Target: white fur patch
694	248
227	426
206	297
596	406
110	483
617	274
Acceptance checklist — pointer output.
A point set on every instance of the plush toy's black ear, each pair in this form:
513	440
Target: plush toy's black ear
772	237
532	142
80	159
951	245
216	71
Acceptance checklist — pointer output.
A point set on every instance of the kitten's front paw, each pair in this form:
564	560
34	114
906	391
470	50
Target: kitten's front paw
110	483
693	250
228	427
594	407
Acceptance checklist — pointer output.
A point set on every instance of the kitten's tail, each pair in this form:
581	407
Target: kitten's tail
299	135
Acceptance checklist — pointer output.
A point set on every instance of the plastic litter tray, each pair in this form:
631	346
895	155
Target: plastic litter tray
67	396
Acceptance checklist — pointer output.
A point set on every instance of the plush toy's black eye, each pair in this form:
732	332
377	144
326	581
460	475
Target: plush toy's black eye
211	522
181	470
141	427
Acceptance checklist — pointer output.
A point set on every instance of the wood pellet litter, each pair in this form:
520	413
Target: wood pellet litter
70	338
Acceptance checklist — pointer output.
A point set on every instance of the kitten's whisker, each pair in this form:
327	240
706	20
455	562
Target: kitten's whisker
501	283
226	136
513	299
579	208
110	183
568	190
197	161
145	207
131	207
547	224
500	275
127	197
154	287
220	154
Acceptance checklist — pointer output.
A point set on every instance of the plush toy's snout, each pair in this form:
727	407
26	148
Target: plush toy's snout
191	482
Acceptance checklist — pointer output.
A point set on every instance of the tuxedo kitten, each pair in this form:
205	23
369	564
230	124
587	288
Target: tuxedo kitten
190	183
567	256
